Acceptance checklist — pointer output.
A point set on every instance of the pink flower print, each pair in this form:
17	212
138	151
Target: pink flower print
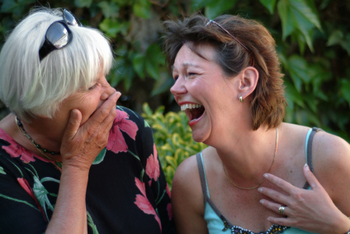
168	190
170	211
25	185
152	165
116	141
16	150
143	203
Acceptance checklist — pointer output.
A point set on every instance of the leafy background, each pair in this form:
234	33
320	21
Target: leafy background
313	46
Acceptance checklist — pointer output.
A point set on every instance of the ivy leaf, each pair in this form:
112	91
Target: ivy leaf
82	3
345	87
298	71
109	9
8	6
215	8
111	26
155	58
293	95
198	4
297	14
142	9
269	4
138	63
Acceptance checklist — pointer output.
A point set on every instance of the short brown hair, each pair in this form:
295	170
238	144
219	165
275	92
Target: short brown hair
268	100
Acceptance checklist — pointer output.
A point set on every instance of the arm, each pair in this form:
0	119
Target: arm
324	208
80	146
187	199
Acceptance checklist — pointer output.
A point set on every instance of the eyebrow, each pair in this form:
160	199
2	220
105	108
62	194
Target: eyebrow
186	64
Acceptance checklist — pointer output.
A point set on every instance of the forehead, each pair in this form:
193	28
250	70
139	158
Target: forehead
194	56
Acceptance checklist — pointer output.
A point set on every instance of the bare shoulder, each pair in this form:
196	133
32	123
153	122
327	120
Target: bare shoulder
331	159
329	149
187	198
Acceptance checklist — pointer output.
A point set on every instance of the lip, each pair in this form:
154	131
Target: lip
194	121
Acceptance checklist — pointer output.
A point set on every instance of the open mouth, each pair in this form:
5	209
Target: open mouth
193	111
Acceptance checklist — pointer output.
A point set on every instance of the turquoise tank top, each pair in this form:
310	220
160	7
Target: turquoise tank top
218	224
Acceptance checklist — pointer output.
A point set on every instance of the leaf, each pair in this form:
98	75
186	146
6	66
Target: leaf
218	7
109	9
197	4
155	58
298	70
344	90
293	95
82	3
142	9
297	14
138	63
269	4
110	26
335	38
8	6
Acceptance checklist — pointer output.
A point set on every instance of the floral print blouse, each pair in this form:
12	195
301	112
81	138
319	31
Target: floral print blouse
126	193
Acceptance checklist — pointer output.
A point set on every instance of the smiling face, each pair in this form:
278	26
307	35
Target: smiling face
205	94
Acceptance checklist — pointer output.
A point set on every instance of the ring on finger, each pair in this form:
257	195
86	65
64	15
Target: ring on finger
281	209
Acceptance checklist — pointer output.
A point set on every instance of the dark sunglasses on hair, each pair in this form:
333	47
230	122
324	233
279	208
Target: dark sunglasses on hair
58	35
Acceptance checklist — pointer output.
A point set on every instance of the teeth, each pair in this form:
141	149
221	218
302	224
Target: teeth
190	106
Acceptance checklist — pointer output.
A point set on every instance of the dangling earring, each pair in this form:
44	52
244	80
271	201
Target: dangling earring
241	99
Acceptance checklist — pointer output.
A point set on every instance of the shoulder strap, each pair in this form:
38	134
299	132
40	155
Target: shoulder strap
308	150
202	176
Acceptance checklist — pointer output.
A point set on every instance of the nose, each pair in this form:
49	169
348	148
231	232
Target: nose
178	88
107	90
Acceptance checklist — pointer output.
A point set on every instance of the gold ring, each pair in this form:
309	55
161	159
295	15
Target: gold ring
281	210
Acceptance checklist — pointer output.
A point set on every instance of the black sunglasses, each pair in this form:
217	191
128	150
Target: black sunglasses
58	35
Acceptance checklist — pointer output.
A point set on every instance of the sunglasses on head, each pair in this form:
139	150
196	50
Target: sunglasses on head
58	35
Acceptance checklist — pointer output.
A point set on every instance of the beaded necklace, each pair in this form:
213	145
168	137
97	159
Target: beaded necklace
41	150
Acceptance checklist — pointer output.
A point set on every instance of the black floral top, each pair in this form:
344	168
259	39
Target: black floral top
126	193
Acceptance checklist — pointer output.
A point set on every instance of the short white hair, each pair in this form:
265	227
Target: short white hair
32	88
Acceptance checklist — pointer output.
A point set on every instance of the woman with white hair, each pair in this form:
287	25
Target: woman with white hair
70	161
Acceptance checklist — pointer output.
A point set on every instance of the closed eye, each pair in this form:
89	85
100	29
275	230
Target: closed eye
92	87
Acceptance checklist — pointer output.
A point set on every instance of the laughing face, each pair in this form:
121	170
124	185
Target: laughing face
204	93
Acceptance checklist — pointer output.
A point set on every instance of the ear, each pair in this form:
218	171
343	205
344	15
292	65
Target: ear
248	81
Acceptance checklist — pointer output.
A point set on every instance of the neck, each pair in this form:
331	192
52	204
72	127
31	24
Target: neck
40	137
250	157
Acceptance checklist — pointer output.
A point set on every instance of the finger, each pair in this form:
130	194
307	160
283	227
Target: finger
310	178
103	111
285	221
274	195
73	124
282	184
273	206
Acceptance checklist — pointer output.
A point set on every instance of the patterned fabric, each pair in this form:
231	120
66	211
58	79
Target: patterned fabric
126	193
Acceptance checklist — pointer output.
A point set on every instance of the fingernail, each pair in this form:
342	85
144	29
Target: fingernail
262	201
306	166
266	175
260	189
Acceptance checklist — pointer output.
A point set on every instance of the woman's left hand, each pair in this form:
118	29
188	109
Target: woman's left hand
310	210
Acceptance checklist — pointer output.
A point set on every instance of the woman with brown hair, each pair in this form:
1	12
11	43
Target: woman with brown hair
255	176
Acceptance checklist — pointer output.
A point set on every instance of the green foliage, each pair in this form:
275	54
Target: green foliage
173	138
313	44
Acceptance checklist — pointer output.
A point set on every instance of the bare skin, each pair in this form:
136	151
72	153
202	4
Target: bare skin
225	125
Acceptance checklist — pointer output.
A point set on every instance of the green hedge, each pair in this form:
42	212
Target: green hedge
173	138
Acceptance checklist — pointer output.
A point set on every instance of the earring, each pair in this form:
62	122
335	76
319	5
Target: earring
241	99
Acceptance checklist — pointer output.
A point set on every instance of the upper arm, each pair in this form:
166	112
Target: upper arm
331	156
187	199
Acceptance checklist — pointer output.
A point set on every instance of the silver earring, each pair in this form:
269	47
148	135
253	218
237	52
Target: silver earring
241	99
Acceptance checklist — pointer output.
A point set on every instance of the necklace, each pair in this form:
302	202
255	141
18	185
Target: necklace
39	148
251	188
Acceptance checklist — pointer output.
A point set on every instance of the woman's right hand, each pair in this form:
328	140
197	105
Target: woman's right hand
81	144
310	210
